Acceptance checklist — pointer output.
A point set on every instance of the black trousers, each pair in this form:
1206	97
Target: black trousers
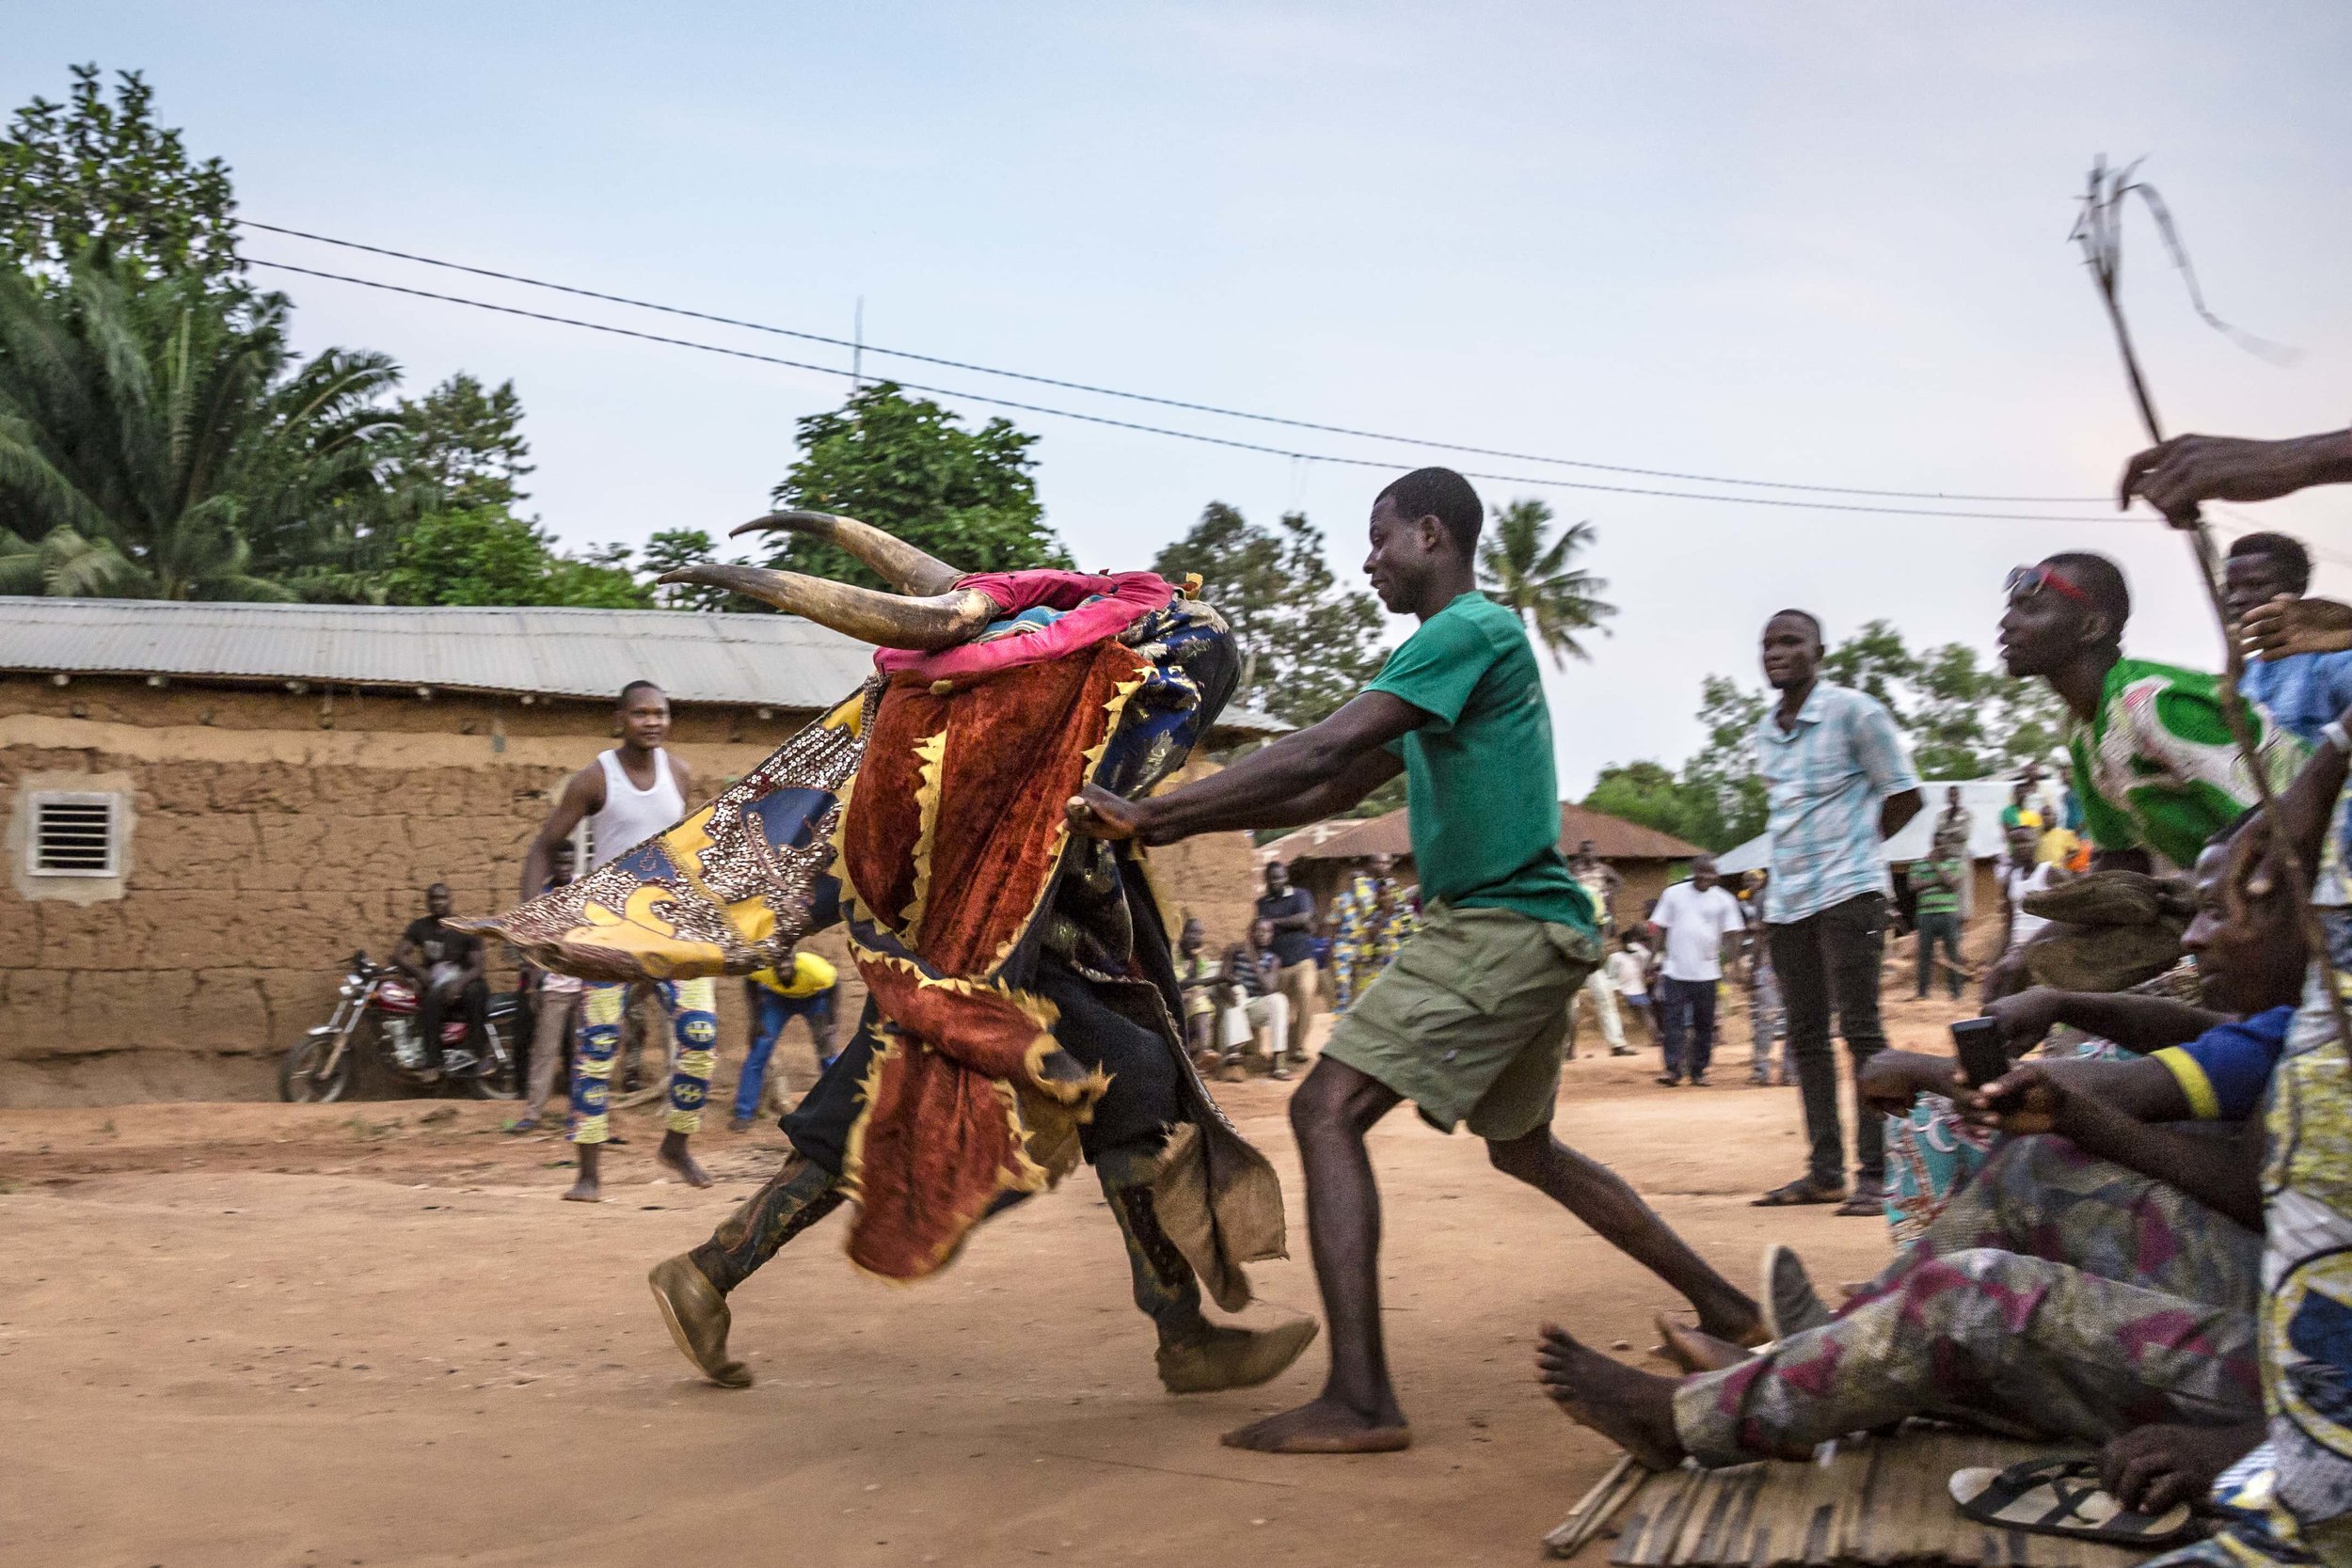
472	1002
1686	1021
1831	958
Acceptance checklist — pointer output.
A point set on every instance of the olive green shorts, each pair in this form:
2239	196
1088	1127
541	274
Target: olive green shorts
1467	1022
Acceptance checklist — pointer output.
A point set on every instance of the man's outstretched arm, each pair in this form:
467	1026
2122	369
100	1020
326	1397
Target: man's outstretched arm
2175	476
1302	778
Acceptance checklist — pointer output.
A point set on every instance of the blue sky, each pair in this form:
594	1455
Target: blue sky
1820	242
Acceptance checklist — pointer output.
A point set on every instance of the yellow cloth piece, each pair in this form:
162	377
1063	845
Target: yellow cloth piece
810	975
2195	1086
2057	848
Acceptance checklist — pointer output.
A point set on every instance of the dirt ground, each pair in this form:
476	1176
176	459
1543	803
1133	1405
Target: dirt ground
266	1335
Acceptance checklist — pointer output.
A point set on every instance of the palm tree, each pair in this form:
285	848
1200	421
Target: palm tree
1532	579
151	436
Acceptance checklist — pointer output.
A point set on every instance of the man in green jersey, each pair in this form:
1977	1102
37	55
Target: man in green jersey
2154	762
1468	1021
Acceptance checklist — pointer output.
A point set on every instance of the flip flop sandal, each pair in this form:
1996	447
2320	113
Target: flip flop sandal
1865	1203
1797	1193
2062	1496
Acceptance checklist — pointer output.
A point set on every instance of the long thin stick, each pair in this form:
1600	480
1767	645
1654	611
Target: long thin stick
2100	234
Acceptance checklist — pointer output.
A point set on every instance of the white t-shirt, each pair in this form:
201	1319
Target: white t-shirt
1695	924
1627	974
2021	881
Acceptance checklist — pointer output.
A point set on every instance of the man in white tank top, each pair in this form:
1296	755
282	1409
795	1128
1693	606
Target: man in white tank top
627	796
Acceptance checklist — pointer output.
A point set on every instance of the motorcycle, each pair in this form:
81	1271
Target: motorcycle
375	1017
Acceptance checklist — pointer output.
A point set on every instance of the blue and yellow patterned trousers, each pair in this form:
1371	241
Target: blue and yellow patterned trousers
694	1021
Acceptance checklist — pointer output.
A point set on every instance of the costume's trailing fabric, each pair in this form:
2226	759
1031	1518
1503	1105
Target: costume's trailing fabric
728	891
929	813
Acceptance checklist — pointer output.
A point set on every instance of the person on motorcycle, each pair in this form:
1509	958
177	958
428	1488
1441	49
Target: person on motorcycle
446	966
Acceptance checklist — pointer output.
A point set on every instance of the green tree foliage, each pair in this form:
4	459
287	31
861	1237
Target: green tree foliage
910	467
1963	718
165	427
465	443
488	556
1307	645
91	172
1529	575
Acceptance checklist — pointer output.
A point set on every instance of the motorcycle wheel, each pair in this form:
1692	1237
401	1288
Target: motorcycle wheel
303	1077
498	1081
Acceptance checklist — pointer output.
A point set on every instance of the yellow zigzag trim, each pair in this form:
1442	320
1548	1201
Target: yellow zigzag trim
932	750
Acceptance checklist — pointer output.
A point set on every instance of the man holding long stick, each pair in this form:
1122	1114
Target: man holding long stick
2297	1508
1468	1022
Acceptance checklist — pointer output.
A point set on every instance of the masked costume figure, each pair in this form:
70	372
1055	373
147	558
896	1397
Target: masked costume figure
1022	1006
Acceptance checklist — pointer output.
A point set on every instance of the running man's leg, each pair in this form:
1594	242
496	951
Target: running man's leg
600	1039
1356	1412
694	1028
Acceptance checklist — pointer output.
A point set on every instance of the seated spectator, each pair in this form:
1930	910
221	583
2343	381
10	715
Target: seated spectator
2099	1275
1255	1012
809	991
446	966
1201	978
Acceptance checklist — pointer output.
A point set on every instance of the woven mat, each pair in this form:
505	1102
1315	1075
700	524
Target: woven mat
1878	1502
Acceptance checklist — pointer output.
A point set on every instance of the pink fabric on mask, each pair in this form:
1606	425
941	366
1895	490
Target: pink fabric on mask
1125	597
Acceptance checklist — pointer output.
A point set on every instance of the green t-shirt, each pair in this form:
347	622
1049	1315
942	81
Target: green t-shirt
1933	896
1480	792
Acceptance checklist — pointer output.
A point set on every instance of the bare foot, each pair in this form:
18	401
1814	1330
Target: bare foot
1631	1407
674	1155
1695	1350
1325	1426
586	1189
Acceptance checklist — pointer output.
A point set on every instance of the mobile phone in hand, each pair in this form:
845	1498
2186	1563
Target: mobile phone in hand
1982	1056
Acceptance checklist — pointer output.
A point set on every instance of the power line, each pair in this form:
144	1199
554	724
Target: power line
859	346
1543	482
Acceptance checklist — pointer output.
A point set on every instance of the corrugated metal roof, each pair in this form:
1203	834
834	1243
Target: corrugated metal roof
778	660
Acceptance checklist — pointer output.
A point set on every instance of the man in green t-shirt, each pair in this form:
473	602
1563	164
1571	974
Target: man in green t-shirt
1468	1021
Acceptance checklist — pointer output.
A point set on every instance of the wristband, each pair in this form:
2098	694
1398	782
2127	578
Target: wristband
2333	733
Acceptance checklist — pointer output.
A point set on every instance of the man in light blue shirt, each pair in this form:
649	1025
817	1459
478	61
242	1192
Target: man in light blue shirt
1840	783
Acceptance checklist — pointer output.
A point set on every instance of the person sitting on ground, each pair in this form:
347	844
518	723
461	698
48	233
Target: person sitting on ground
1255	1012
1201	978
446	966
2297	1506
810	992
2100	1274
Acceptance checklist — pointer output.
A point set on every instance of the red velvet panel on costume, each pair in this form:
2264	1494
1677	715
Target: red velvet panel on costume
950	841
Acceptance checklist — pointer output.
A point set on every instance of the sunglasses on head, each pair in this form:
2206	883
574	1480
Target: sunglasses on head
2026	581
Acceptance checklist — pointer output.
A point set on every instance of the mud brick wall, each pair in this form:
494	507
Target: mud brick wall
275	832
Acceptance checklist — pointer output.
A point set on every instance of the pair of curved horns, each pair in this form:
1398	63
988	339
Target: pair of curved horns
898	562
928	613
